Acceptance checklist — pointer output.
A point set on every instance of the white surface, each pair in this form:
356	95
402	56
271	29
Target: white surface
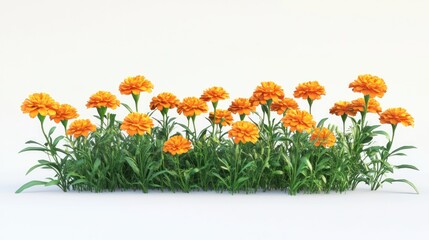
71	49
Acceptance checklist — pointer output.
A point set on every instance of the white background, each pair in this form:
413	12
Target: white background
71	49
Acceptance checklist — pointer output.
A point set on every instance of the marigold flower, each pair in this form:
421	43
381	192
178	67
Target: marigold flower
177	145
323	137
81	127
137	123
223	117
135	85
342	107
298	120
396	115
103	99
214	94
39	103
284	104
64	112
373	105
241	106
369	85
243	131
191	106
164	100
266	91
312	90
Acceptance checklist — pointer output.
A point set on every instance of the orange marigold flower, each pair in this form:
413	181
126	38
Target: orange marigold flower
137	123
369	85
323	137
373	105
81	127
298	120
214	94
312	90
396	115
177	145
223	117
64	112
103	99
191	106
164	100
342	107
135	85
244	132
284	104
39	103
266	91
241	106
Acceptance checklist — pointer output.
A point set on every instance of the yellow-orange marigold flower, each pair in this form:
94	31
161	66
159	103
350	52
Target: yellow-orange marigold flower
342	107
369	85
284	104
214	94
241	106
191	106
81	127
39	103
137	123
164	100
103	99
223	117
396	115
323	137
312	90
135	85
298	120
64	112
266	91
177	145
373	105
244	132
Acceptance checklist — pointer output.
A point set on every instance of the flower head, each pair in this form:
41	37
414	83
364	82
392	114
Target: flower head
192	106
298	120
266	91
39	103
323	136
342	107
358	105
284	104
309	90
369	85
214	94
135	85
164	100
64	112
103	99
137	123
241	106
177	145
223	117
81	127
396	115
244	132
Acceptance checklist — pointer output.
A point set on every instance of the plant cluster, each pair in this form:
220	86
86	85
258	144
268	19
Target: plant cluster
274	145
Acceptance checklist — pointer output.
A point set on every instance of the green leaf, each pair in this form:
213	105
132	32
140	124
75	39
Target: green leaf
34	167
34	142
321	122
42	149
30	184
51	183
278	172
96	165
406	166
52	130
57	140
401	148
391	180
131	162
127	107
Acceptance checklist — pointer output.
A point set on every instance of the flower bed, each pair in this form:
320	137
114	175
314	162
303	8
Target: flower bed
275	145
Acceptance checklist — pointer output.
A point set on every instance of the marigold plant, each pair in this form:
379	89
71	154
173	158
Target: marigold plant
288	152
